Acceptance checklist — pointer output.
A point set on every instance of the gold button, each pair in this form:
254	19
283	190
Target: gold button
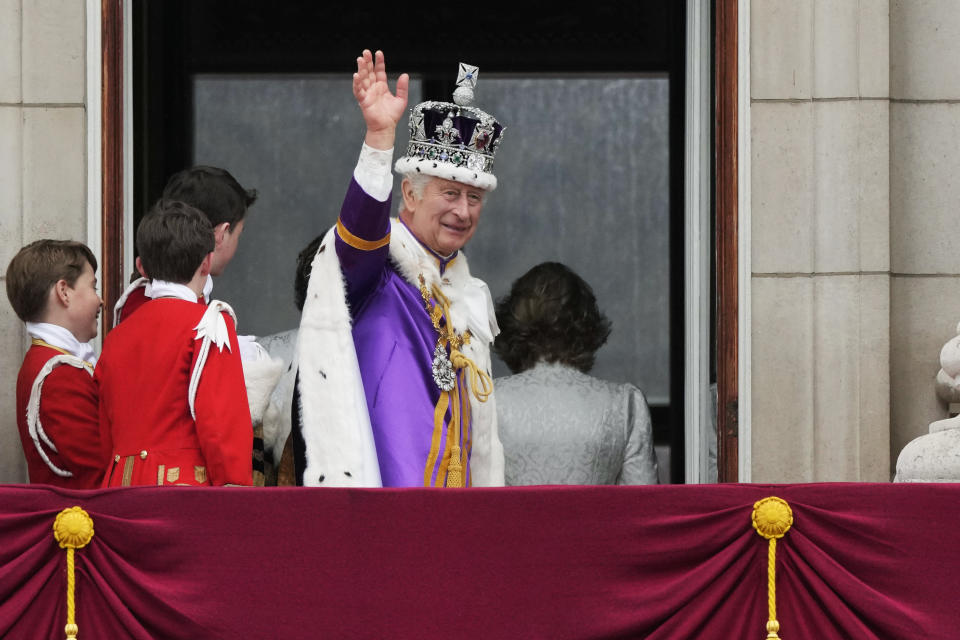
143	454
117	459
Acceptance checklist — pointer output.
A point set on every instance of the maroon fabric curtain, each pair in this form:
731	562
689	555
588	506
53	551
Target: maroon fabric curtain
865	561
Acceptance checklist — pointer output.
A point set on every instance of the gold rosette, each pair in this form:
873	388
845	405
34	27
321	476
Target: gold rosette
772	518
73	529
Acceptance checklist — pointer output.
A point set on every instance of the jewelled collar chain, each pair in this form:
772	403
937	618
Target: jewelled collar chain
443	373
444	367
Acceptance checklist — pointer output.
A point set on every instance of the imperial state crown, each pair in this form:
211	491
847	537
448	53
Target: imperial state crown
453	140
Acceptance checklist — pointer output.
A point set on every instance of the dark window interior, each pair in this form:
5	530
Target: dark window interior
173	40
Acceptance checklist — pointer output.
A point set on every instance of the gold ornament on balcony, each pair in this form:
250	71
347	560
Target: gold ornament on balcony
772	518
73	529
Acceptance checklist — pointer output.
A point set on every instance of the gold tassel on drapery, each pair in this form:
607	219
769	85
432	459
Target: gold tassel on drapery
73	529
772	518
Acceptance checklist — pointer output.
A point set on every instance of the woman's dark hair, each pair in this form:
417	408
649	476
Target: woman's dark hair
172	240
212	190
552	315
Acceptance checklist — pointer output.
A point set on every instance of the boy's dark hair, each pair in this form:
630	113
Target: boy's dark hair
304	267
40	265
172	240
552	315
213	191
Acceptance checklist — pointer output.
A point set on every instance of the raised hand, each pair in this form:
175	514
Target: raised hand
381	109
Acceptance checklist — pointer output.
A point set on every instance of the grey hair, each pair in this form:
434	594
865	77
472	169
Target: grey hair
419	182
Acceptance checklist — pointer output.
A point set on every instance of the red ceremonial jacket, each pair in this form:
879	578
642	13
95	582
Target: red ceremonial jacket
67	416
132	299
143	377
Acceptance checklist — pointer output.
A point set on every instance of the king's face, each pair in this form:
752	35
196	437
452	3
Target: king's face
446	216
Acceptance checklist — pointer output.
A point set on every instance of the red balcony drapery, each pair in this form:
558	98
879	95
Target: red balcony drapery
680	562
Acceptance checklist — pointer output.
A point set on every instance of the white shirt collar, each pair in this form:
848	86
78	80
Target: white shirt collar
163	289
207	288
62	338
167	287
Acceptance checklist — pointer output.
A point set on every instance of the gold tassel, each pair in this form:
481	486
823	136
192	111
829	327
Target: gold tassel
772	518
73	529
455	470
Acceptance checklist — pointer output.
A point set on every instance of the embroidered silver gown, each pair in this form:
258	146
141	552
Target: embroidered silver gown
561	426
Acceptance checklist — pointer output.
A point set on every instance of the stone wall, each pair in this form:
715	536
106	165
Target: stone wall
820	285
924	203
42	161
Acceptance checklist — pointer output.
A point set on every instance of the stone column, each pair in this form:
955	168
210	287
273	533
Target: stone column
42	161
924	204
820	283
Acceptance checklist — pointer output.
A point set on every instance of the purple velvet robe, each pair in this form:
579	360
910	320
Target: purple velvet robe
395	343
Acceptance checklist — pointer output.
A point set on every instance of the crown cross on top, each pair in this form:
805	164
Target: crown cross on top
466	82
467	75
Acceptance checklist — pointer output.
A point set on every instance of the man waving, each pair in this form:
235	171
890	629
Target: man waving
394	384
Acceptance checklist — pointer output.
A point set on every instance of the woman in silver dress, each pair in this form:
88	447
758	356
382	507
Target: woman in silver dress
558	424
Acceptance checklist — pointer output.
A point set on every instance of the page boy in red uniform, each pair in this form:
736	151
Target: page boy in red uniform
218	195
52	287
173	405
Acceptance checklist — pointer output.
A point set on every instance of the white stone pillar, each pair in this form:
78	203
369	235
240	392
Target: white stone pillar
42	161
820	240
924	200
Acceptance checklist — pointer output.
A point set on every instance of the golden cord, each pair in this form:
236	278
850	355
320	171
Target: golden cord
73	529
772	518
